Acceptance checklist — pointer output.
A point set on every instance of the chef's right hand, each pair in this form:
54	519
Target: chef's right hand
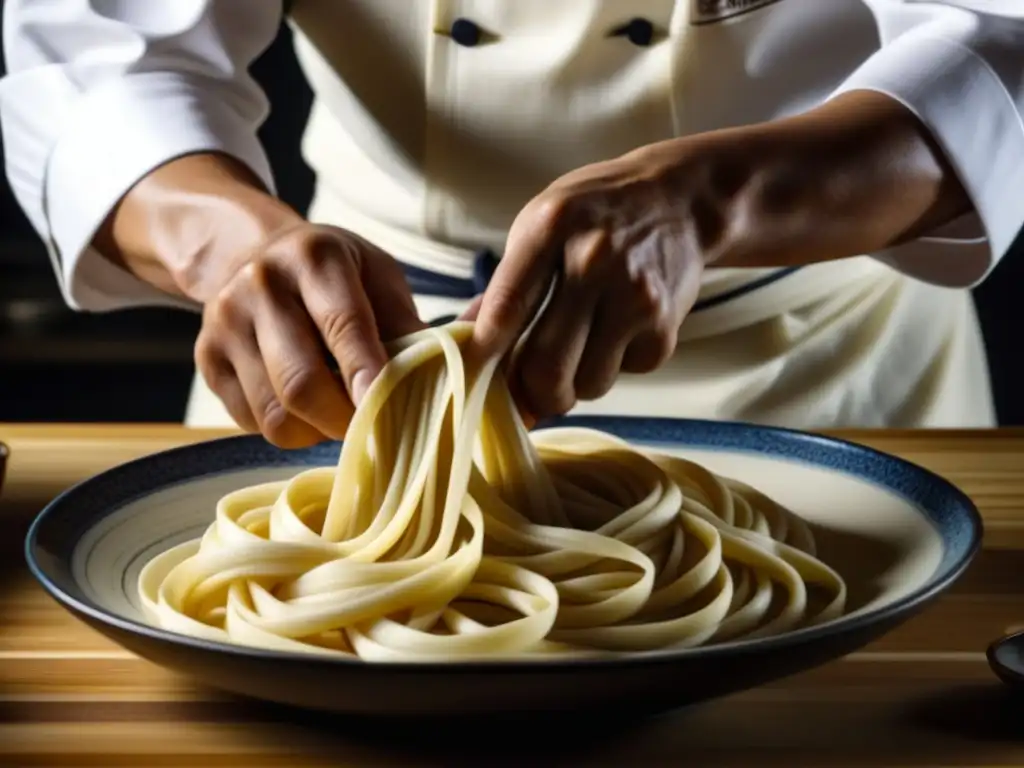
309	293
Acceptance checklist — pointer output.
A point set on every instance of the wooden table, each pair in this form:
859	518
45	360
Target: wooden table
923	696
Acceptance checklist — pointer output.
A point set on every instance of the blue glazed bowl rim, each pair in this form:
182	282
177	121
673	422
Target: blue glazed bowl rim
929	494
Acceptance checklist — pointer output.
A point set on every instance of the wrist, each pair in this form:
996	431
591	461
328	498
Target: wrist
852	177
221	232
189	225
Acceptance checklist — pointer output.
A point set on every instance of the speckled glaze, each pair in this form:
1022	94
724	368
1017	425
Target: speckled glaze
167	497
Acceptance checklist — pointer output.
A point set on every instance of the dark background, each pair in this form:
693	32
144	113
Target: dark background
136	365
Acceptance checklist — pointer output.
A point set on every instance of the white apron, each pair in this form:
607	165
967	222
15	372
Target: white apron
429	145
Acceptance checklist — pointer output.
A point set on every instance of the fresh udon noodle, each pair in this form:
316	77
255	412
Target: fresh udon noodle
447	532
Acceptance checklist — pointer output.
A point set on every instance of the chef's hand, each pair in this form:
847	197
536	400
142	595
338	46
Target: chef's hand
624	242
309	293
620	247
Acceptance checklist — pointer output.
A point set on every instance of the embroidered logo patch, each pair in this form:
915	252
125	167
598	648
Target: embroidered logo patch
709	11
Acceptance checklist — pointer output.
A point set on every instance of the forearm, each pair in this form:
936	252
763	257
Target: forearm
855	176
95	98
190	224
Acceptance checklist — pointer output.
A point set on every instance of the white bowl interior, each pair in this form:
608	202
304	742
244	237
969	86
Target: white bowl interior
879	542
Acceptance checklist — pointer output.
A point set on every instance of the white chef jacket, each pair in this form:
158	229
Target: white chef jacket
428	143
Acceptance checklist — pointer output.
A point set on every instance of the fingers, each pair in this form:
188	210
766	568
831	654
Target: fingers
605	316
388	293
222	379
648	350
548	363
290	347
281	427
663	307
522	279
331	289
601	362
229	359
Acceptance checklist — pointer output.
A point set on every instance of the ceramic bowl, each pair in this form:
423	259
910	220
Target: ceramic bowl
1006	658
898	534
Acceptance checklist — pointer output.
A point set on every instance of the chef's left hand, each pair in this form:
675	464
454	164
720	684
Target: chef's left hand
621	246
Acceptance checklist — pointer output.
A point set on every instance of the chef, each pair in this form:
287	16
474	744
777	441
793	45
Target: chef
764	210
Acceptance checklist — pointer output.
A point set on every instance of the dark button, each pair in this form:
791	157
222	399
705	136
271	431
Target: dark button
638	31
465	32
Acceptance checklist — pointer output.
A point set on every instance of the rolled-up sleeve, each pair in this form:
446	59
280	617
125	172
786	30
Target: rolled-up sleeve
97	95
959	67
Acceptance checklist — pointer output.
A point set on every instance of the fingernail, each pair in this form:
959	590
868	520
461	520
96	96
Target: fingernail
360	383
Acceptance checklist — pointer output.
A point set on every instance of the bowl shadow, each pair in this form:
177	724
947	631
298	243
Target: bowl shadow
407	740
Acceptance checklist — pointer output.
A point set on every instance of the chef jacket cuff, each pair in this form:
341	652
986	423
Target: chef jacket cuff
114	136
958	95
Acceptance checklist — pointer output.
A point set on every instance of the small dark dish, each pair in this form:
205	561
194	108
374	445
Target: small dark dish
1006	657
899	534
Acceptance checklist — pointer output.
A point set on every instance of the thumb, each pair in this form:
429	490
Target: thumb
518	288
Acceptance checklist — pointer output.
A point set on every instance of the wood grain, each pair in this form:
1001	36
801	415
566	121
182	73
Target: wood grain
921	696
